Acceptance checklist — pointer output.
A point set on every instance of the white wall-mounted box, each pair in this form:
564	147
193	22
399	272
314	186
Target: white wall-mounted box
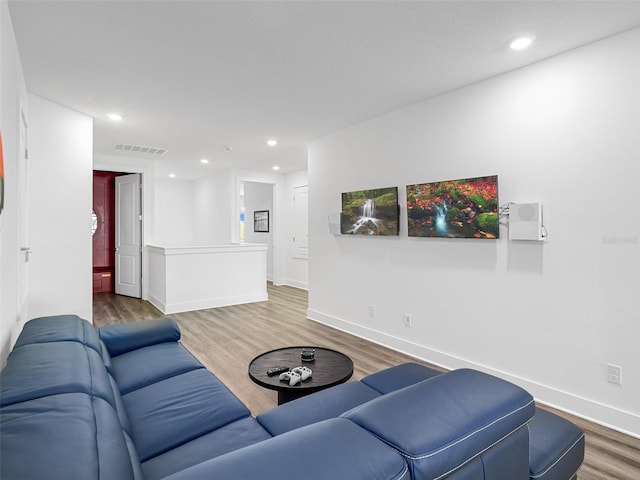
525	221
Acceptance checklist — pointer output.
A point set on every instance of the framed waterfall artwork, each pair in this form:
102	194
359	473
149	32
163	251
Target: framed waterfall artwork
465	208
370	212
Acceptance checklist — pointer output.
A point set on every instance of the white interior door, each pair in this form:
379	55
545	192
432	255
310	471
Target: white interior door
23	221
301	222
128	236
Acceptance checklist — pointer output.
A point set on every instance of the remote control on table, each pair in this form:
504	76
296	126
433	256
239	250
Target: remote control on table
276	370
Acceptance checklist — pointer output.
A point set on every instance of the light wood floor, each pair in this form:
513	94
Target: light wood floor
226	339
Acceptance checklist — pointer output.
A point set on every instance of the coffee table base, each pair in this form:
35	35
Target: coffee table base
284	397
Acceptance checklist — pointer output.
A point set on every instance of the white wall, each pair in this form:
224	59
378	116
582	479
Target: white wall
60	199
174	208
548	316
213	207
259	196
13	96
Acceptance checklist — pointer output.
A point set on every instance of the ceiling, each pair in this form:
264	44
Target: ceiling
216	79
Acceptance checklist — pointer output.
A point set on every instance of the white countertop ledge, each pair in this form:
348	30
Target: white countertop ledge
204	249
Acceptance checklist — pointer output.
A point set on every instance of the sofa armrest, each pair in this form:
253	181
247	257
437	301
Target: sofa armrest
328	450
126	337
442	423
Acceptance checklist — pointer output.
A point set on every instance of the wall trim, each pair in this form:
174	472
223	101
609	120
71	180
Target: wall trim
178	307
605	415
297	284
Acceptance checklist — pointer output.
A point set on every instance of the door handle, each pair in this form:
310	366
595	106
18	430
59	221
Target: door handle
27	251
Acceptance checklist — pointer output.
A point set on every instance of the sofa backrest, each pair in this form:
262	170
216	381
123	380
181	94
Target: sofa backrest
331	449
62	414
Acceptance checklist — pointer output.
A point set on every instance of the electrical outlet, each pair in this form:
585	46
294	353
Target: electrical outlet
372	311
614	374
407	320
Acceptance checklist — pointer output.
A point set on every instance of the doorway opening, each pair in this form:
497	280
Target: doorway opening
256	218
117	232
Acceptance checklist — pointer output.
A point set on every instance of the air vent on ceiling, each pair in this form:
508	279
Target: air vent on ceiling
139	149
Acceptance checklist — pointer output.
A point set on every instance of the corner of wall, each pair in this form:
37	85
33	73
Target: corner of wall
13	98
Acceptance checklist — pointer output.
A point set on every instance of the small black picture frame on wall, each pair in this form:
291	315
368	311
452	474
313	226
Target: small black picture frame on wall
261	221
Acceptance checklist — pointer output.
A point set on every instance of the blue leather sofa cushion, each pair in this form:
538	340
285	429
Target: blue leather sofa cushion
176	410
40	369
67	436
322	405
556	447
131	336
441	423
142	367
226	439
400	376
335	449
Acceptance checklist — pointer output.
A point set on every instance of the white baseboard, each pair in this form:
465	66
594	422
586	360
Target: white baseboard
297	284
593	411
169	308
156	302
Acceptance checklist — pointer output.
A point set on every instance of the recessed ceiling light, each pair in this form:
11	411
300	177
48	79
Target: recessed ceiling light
204	160
272	142
172	175
522	42
276	167
114	116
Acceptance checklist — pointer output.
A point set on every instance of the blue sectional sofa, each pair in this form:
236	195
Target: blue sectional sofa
131	402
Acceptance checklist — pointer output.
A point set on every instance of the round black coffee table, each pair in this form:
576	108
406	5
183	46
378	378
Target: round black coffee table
329	368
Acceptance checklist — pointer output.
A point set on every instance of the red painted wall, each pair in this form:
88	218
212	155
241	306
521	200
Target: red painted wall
104	238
